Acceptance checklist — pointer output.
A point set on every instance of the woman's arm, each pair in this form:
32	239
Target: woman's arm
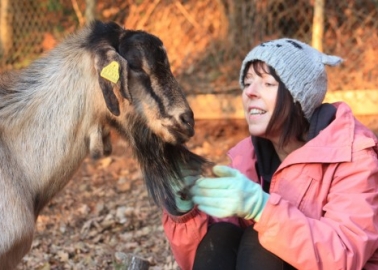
184	234
346	235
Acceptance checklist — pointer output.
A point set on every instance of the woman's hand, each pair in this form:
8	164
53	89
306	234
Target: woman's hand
183	199
229	195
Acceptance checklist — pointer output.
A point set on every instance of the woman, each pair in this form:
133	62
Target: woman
300	193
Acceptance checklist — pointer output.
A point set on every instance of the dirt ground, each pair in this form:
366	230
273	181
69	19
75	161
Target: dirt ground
104	213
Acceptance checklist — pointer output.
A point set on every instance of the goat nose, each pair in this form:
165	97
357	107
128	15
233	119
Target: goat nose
187	118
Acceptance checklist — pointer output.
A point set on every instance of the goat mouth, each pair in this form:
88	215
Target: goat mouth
181	135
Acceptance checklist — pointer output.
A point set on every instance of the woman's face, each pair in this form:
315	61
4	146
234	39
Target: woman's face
259	100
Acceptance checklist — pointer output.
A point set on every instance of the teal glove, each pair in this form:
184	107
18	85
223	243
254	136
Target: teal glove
183	198
229	195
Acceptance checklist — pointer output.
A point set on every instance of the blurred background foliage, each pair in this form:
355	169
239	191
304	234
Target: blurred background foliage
206	40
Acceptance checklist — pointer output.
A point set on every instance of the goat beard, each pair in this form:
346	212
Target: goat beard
161	163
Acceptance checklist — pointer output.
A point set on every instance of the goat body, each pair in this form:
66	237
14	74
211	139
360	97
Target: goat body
62	107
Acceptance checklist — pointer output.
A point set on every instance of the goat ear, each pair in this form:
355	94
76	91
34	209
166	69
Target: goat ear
112	72
124	88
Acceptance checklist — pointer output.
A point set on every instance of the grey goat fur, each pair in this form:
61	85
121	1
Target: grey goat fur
59	109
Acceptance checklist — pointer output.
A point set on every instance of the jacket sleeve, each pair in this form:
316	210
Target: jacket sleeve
346	235
184	234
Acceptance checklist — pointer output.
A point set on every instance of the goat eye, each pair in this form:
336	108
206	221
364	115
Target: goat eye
135	68
163	63
131	64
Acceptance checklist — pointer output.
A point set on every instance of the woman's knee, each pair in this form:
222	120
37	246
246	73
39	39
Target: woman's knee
219	247
252	255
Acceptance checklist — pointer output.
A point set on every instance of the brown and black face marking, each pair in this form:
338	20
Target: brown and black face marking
146	80
155	92
160	101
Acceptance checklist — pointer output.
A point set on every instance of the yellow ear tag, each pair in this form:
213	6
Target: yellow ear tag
111	72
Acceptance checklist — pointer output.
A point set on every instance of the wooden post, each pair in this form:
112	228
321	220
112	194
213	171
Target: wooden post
90	10
126	261
318	25
6	31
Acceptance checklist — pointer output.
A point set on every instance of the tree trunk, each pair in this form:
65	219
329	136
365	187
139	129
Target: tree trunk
318	25
6	36
90	10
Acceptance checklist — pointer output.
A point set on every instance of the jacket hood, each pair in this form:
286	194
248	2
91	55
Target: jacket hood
336	142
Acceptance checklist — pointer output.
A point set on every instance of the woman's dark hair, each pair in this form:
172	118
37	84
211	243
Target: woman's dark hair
288	117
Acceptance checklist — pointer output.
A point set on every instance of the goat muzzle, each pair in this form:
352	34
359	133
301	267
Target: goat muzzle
184	129
187	121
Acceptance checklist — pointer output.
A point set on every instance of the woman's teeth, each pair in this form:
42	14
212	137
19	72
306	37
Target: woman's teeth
256	111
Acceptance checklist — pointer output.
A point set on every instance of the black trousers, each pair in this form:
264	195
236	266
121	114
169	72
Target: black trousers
226	247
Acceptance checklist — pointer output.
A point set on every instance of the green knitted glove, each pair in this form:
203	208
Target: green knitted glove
232	194
183	198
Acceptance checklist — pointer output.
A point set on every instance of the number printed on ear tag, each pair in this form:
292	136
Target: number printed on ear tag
111	72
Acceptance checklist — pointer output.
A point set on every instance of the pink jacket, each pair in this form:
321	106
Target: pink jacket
323	207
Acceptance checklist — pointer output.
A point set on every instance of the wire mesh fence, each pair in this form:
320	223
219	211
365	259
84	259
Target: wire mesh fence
206	39
29	28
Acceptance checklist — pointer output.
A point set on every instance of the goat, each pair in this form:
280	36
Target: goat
63	107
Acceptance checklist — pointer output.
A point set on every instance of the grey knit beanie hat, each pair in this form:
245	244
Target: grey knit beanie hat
299	66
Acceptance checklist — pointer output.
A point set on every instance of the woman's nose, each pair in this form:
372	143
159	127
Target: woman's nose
252	90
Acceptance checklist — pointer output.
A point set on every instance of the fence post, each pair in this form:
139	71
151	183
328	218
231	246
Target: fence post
318	25
90	10
6	31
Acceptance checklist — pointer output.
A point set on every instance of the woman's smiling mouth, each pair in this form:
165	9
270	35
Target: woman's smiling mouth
255	111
